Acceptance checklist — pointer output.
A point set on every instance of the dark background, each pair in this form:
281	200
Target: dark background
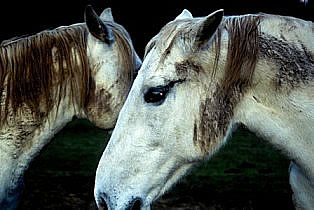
143	19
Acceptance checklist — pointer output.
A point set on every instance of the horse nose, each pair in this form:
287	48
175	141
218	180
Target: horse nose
130	204
136	204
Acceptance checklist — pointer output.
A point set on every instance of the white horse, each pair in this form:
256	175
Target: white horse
200	78
47	79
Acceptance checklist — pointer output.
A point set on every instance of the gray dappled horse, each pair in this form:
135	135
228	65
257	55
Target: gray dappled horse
200	79
81	70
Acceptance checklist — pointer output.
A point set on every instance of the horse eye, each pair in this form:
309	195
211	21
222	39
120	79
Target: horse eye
156	95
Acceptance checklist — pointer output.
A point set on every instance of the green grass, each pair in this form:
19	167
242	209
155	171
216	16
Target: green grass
244	156
76	150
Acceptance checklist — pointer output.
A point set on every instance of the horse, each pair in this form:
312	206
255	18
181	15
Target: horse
200	79
84	71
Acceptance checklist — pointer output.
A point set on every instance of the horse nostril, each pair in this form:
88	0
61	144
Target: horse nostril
137	205
102	205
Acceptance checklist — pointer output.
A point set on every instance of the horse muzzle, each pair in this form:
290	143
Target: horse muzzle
134	203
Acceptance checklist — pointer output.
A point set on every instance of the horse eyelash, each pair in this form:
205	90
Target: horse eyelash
172	83
163	92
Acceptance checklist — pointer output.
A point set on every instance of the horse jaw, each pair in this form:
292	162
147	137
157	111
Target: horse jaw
153	144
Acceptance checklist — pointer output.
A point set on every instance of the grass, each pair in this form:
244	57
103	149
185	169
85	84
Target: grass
76	150
246	174
244	156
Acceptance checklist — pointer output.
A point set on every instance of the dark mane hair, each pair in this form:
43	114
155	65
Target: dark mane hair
31	66
242	54
243	48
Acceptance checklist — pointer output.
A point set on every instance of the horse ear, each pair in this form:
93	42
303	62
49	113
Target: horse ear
97	27
208	27
184	15
107	15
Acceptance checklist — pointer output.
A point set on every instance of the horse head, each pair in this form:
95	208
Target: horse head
162	129
83	70
113	62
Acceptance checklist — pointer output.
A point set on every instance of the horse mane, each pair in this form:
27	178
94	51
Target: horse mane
31	66
243	49
242	54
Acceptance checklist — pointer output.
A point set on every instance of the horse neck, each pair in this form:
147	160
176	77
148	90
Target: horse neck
29	125
22	142
276	108
281	120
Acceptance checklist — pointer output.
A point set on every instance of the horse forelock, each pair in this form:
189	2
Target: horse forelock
169	36
31	67
242	49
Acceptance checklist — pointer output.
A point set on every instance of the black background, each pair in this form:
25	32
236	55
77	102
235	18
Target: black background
143	19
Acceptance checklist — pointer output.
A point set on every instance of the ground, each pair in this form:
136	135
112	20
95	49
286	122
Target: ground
245	174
